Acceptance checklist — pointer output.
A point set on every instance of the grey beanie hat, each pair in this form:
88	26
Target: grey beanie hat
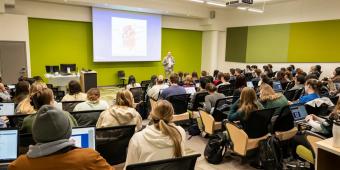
50	124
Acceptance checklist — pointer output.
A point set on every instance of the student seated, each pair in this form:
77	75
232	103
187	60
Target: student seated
257	75
299	82
25	107
161	140
188	82
240	83
43	97
54	150
244	106
211	99
93	102
154	91
22	90
194	76
270	99
75	93
202	89
225	77
4	95
121	113
174	88
218	79
280	76
132	83
312	88
336	75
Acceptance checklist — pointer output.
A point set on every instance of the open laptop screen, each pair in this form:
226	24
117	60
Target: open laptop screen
7	109
250	84
277	86
8	145
84	137
299	111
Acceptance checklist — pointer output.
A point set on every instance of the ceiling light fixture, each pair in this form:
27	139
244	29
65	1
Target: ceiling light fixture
216	4
198	1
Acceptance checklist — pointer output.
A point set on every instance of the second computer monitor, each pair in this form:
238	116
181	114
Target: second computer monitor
67	68
84	137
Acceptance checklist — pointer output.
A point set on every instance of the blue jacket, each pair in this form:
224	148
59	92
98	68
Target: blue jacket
307	98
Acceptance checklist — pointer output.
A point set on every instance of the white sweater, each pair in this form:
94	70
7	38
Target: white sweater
151	144
87	105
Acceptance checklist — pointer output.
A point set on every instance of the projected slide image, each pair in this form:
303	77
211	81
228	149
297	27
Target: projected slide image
129	37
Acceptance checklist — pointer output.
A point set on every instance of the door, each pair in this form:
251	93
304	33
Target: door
13	61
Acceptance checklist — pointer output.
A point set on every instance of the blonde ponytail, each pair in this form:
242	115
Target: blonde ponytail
162	117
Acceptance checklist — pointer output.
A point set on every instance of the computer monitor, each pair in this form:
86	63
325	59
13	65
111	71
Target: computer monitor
52	69
299	111
190	90
277	86
8	145
67	68
7	109
250	84
84	137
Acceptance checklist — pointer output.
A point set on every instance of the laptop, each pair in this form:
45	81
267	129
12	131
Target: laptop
299	112
84	137
7	109
190	90
8	145
250	84
277	86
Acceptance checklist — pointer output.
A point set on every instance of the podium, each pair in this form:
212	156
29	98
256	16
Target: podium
88	80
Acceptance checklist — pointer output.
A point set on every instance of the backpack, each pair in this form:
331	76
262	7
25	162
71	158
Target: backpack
194	130
270	154
215	149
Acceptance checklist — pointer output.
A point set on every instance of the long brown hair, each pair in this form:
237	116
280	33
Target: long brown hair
267	93
162	115
335	115
124	98
248	101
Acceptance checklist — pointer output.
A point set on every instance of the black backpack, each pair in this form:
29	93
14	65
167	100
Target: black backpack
270	153
215	149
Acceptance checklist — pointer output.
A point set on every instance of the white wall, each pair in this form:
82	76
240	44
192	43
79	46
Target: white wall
15	28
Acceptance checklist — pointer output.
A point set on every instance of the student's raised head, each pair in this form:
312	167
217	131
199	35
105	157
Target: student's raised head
292	66
43	97
174	78
232	71
335	114
225	77
215	73
180	74
50	125
337	71
194	75
280	75
267	93
162	115
311	76
258	72
266	79
93	94
38	79
288	75
313	86
204	73
318	68
203	83
270	66
248	67
132	80
240	81
238	72
160	79
188	80
26	106
300	79
74	87
124	98
211	88
22	88
247	102
153	80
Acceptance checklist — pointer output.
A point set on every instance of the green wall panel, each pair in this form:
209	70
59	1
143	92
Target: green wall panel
315	42
268	43
53	42
236	46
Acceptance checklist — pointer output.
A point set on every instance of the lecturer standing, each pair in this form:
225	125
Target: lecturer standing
168	63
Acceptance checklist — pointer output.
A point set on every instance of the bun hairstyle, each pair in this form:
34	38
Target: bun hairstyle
124	98
314	84
162	115
40	98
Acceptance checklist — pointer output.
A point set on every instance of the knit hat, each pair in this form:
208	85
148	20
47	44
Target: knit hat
50	124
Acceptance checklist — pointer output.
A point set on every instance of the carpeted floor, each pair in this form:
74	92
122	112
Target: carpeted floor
196	143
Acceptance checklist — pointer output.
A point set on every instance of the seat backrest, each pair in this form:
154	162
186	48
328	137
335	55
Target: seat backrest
15	121
227	90
322	110
220	107
285	121
87	118
145	83
121	74
257	124
25	140
70	105
179	102
200	97
298	94
182	163
137	93
112	142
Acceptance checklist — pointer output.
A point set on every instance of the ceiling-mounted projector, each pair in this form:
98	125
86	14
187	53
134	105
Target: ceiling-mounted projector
239	2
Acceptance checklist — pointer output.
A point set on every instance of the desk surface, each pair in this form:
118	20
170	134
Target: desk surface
327	145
